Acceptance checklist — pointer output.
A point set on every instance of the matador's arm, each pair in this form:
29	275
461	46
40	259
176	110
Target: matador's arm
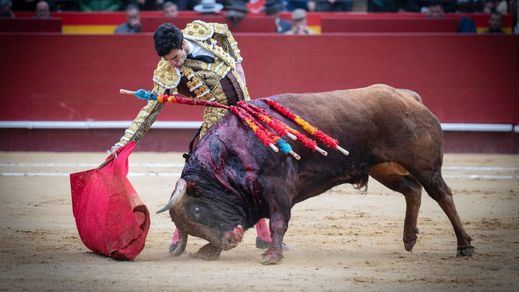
142	123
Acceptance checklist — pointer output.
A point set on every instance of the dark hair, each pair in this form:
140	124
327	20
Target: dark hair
166	38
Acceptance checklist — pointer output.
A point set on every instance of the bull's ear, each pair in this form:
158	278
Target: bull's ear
193	189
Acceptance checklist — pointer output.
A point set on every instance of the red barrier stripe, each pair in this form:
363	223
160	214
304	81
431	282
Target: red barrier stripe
461	78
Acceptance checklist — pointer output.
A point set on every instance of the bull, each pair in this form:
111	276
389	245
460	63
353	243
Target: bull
231	180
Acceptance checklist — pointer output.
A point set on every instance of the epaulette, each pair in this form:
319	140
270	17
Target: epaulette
221	28
166	76
198	31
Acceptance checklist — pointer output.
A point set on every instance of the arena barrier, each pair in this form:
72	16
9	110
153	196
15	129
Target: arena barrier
470	82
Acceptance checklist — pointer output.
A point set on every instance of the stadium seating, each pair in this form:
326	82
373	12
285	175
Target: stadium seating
105	22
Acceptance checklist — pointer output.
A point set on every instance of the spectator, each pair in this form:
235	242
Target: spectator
42	10
435	11
5	9
299	25
133	21
495	23
273	8
466	25
208	7
500	6
99	5
170	9
236	10
331	5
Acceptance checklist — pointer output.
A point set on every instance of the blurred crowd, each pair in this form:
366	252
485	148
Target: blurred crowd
501	6
237	9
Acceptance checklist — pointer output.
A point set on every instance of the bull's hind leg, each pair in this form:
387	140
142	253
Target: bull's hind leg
436	187
397	178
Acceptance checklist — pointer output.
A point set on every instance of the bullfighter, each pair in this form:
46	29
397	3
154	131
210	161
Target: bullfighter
202	61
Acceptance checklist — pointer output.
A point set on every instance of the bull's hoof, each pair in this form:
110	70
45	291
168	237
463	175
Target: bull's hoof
272	256
207	252
410	239
408	245
465	251
172	247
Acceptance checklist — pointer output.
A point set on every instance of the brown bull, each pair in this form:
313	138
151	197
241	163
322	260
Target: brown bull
231	180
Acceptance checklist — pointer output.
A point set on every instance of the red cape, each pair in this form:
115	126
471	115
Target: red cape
110	217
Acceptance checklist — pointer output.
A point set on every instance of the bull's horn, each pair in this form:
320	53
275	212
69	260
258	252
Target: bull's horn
180	190
181	244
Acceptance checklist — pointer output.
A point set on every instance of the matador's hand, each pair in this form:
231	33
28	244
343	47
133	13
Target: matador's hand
114	149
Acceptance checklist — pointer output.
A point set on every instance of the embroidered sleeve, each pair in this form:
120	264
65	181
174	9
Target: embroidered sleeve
226	40
145	118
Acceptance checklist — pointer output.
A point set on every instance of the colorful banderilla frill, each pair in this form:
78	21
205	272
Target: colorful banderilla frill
280	127
253	117
309	128
282	144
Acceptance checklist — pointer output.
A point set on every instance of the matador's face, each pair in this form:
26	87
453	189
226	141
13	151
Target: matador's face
176	57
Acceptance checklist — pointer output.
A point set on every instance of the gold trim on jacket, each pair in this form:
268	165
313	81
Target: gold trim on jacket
203	79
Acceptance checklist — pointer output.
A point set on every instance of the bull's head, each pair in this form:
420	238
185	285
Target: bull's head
218	222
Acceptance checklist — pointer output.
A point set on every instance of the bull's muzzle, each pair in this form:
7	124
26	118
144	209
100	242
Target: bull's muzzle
180	190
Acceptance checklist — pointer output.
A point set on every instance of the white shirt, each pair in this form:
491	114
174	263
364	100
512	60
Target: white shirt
197	50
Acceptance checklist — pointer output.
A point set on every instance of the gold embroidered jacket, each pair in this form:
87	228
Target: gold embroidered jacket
202	80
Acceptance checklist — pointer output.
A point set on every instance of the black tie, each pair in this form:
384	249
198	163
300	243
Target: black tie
203	58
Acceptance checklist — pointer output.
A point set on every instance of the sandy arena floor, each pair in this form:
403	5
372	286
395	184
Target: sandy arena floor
341	240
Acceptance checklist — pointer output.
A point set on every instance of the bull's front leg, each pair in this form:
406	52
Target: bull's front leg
278	226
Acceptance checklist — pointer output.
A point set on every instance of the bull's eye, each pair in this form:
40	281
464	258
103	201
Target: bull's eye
196	214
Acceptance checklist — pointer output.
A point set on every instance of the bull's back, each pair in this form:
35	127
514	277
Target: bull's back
377	104
374	120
